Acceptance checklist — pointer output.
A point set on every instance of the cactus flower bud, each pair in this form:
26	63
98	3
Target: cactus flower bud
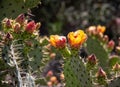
20	19
52	55
29	43
92	59
111	45
91	30
116	67
4	22
30	27
58	41
76	39
8	24
105	38
8	37
53	79
101	76
62	77
17	27
49	73
118	49
49	84
38	25
101	73
91	62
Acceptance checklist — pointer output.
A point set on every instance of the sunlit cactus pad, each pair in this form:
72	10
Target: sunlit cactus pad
94	46
76	74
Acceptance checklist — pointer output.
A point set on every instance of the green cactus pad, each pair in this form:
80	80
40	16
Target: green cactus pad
76	74
35	56
12	8
94	46
115	82
71	79
113	60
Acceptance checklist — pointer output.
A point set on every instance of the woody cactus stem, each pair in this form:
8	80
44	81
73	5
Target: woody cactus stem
16	66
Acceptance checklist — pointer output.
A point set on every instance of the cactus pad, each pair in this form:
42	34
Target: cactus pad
35	56
115	82
113	60
12	8
76	74
94	46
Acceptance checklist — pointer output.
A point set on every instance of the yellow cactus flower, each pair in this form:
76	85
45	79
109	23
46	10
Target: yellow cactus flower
101	29
58	41
77	38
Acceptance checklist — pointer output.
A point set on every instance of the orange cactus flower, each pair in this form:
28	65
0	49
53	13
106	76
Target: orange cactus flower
77	38
101	29
58	41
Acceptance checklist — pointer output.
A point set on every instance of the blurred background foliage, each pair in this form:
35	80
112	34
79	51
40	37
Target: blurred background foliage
63	16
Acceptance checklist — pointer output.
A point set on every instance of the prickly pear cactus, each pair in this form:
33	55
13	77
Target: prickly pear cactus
12	8
94	46
76	74
24	52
